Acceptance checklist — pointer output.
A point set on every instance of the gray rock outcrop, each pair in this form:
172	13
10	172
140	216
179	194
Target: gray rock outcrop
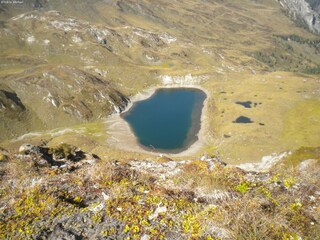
301	10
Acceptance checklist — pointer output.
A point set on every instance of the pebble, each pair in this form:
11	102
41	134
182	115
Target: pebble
145	237
157	211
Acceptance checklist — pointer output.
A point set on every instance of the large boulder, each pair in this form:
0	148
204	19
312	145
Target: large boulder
27	148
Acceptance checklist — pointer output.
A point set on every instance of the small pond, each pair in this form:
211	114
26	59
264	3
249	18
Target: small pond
243	119
169	120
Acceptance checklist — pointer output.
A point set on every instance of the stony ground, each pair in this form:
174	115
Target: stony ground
65	193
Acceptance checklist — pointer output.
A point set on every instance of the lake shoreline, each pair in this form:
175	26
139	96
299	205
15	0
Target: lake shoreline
122	136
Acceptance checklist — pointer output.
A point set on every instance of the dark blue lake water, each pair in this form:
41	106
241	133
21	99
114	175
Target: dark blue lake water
169	120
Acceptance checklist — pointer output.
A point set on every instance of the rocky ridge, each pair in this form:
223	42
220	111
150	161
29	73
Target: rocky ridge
302	10
63	192
63	95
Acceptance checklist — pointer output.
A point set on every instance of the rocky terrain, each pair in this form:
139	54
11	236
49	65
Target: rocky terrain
306	11
68	69
64	193
56	96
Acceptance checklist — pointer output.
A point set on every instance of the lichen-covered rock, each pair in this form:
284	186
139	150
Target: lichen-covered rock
309	169
307	165
26	148
63	158
63	151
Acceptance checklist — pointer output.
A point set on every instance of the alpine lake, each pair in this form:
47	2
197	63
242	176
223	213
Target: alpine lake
169	121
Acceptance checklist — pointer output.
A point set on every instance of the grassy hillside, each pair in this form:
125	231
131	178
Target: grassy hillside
235	49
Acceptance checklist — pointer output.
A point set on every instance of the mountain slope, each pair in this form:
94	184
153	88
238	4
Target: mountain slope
68	169
56	96
238	50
